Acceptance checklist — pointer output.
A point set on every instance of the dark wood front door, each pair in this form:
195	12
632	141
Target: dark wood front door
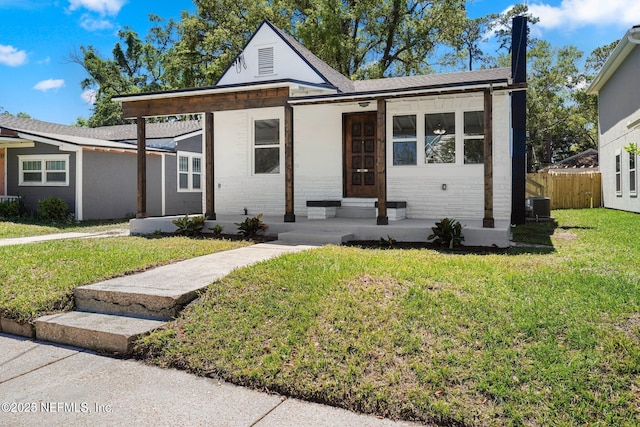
360	155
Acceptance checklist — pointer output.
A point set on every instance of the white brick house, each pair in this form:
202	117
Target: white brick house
286	134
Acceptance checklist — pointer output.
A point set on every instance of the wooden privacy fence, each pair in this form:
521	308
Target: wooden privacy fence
567	190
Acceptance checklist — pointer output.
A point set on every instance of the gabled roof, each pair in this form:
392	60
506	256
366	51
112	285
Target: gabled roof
347	89
626	45
332	76
100	136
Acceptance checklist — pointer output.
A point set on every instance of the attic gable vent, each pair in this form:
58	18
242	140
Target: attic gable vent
265	61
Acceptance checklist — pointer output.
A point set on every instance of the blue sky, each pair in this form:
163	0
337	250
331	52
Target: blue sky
38	36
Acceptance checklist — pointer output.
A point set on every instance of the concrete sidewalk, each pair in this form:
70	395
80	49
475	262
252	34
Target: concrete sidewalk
51	385
62	236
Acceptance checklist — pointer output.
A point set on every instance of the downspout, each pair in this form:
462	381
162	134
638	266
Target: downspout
519	119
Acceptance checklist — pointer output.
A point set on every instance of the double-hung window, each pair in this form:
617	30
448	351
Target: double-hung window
633	189
440	138
44	170
189	171
473	137
267	146
404	140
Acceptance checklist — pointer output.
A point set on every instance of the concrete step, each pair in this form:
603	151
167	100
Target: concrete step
94	331
355	212
127	300
314	237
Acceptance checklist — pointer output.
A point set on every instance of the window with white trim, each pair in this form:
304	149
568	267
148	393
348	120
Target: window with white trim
633	183
473	139
440	138
44	170
266	146
618	174
189	171
404	140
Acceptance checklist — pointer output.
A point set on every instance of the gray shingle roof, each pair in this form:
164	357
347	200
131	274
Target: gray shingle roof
433	80
108	133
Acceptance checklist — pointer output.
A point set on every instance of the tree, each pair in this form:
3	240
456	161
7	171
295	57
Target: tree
551	120
136	66
474	32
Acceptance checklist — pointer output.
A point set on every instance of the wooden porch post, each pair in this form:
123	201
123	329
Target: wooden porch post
142	168
289	215
488	221
381	163
210	211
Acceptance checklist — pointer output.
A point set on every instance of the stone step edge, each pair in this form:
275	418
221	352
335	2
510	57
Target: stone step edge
109	336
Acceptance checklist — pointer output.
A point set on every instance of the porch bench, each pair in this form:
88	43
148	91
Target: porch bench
322	209
395	210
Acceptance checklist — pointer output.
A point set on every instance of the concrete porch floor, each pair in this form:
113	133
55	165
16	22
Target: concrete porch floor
406	230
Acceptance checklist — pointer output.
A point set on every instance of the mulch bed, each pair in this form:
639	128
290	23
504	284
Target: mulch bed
376	244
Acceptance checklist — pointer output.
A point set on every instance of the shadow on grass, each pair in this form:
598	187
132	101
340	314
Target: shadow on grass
520	249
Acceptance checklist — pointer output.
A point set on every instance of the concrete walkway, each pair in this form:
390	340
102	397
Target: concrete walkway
62	236
53	385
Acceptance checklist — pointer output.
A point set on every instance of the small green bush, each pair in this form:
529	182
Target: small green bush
447	232
12	209
217	230
250	227
190	227
52	209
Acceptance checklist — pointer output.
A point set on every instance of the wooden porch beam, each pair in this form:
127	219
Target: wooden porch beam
196	103
381	162
488	220
142	167
289	215
210	211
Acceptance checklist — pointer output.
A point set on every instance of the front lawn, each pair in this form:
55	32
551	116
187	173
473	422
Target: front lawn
39	278
531	337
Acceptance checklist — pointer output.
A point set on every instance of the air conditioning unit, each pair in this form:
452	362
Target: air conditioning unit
538	207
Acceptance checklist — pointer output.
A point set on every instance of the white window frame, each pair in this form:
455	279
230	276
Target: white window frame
633	175
409	139
43	158
255	146
466	137
191	156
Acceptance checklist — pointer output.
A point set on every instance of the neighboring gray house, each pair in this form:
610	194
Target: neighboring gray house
619	123
95	169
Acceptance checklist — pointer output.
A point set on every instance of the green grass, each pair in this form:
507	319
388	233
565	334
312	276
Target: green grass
11	229
531	337
39	278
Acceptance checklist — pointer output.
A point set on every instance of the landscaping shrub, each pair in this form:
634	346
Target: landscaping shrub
250	227
447	232
12	209
189	226
52	209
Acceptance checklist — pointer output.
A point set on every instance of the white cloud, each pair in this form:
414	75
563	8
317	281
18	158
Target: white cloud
90	24
11	56
50	84
573	14
89	96
103	7
45	60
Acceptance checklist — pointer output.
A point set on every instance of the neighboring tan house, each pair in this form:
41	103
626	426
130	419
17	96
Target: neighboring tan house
288	135
618	90
94	169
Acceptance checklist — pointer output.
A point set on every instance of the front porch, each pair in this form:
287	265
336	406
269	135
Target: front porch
337	230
